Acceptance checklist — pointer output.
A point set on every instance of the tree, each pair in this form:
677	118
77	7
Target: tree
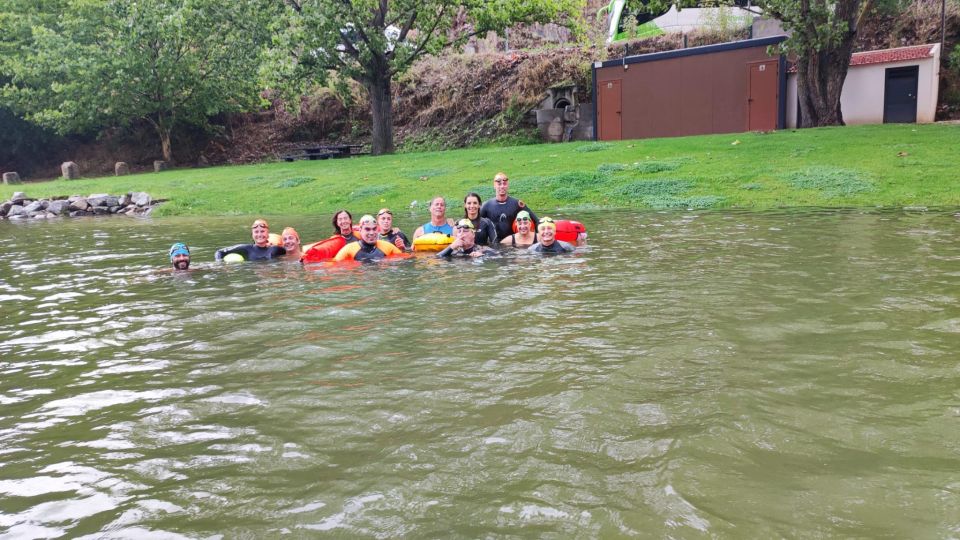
102	63
823	35
372	41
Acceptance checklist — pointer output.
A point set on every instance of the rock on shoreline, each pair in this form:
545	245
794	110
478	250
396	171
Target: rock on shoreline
134	203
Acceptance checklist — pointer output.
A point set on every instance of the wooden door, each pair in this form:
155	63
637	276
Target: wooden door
900	95
762	101
610	111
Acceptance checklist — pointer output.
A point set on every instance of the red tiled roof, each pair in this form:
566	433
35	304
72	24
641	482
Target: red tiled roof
900	54
886	56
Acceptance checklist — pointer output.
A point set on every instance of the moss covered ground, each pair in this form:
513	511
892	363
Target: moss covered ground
854	166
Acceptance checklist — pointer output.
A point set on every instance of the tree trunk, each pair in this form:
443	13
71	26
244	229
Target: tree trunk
822	68
381	112
165	145
163	131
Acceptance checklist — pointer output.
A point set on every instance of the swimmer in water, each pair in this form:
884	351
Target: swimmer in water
180	256
503	209
526	234
259	250
370	247
485	231
390	233
343	226
464	244
439	222
548	239
290	240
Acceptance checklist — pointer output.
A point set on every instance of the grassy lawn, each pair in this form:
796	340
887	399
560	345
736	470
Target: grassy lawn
860	166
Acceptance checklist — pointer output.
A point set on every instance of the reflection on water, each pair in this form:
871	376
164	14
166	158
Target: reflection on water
688	374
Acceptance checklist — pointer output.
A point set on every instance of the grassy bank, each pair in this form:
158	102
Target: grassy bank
887	165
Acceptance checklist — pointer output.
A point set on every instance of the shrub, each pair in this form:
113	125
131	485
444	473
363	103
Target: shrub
567	194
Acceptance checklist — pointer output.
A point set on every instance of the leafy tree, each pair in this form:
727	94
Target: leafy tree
372	41
823	36
99	63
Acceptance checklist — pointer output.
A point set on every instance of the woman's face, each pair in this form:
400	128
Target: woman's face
344	223
261	234
523	225
385	221
472	206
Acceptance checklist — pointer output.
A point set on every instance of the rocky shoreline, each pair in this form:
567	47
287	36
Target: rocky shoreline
20	206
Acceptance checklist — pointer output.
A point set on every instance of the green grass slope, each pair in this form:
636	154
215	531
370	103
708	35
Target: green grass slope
857	166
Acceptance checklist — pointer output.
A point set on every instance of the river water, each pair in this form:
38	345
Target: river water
689	374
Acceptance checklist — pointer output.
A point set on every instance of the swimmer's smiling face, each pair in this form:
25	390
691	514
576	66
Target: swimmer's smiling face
261	234
369	232
547	234
472	206
345	223
523	225
290	242
181	262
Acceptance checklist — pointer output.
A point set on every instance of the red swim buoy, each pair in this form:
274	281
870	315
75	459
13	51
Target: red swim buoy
324	250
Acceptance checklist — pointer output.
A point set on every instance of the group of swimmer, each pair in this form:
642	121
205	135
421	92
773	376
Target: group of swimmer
484	227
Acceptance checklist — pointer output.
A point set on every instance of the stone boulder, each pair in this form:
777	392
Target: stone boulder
69	170
98	199
15	210
11	178
141	199
160	165
19	197
79	204
124	199
35	206
58	207
121	169
5	207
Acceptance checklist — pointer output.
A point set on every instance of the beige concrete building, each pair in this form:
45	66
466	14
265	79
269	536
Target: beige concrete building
886	86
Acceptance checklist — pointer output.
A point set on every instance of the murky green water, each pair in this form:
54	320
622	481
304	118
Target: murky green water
725	374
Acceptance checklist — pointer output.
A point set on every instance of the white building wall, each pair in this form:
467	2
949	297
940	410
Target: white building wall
862	98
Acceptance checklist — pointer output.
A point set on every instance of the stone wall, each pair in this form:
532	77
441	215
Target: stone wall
20	206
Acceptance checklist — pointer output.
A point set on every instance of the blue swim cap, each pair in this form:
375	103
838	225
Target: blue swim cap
179	249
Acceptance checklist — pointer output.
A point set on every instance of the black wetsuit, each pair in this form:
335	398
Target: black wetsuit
252	252
394	234
558	246
486	232
362	251
502	214
460	252
350	238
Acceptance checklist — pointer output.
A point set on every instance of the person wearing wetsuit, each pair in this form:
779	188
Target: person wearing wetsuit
526	234
343	226
464	245
548	239
369	247
485	231
502	210
259	250
390	233
439	222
